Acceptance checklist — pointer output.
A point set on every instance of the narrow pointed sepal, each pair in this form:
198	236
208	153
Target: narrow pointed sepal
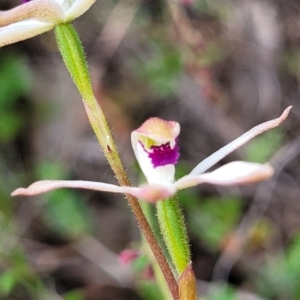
234	173
48	11
44	186
149	193
35	17
187	284
240	141
22	30
28	20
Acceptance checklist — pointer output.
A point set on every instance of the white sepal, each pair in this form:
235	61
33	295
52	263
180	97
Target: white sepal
237	172
38	16
149	193
243	139
22	30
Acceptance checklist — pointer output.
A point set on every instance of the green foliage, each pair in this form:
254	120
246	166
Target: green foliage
17	274
280	276
211	220
14	79
8	281
262	147
8	181
162	70
223	293
140	263
202	5
213	53
14	82
149	290
66	211
215	218
290	62
173	229
73	295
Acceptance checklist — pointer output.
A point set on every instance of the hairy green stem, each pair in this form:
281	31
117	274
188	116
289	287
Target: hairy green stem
148	210
173	229
73	56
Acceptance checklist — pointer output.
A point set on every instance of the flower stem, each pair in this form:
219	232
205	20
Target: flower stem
173	229
148	210
73	56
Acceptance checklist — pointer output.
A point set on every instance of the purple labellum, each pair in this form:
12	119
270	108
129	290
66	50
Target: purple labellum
163	155
24	1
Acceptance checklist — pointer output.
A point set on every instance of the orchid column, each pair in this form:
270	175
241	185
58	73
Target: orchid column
38	16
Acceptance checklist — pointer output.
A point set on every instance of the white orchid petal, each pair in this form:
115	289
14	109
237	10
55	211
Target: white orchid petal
155	146
38	16
78	8
164	174
22	30
257	130
44	186
150	193
48	11
237	172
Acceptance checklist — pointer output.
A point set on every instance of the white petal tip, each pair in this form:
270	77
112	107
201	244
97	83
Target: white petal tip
36	188
18	192
285	113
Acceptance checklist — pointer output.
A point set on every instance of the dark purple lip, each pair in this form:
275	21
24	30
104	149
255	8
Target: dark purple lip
163	155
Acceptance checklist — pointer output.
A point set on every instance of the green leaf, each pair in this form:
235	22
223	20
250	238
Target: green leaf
223	293
140	263
280	277
14	82
74	295
149	290
65	210
162	70
15	79
67	213
10	124
213	219
8	281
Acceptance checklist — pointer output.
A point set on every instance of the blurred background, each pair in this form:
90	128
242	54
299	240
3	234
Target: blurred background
218	67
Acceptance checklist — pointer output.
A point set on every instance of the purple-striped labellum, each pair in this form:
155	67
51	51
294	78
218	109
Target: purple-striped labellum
163	155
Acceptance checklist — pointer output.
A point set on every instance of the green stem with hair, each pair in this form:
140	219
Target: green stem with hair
73	56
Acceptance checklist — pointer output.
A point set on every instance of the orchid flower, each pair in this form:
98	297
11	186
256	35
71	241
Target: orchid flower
155	145
38	16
